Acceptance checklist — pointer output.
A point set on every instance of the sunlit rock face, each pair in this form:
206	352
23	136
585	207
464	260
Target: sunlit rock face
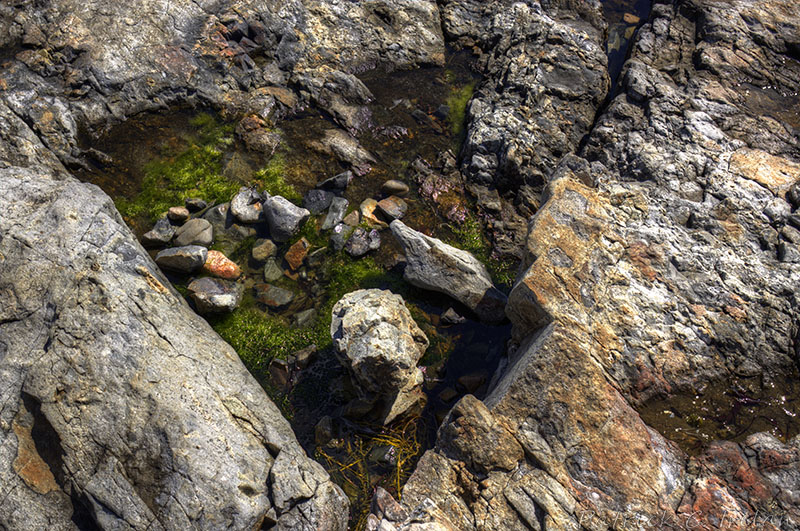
663	257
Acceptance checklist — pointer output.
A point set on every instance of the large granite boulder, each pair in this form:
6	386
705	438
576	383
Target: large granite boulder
657	263
380	344
120	407
434	265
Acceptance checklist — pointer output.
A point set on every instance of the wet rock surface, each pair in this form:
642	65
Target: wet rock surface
82	295
212	295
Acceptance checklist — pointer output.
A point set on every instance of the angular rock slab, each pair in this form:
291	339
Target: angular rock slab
434	265
284	217
153	420
214	295
379	342
185	259
195	232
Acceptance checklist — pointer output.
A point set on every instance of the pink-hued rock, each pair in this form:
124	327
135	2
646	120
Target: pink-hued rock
219	265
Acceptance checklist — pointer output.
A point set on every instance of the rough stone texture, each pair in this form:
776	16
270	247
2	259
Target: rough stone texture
246	205
185	259
284	217
219	265
653	266
380	344
545	78
273	297
119	404
228	233
195	232
212	295
434	265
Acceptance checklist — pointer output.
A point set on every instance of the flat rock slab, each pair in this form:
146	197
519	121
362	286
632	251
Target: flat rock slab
214	295
186	259
273	297
434	265
152	404
393	207
336	213
196	231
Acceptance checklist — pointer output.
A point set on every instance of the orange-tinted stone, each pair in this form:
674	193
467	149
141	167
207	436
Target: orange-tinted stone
219	265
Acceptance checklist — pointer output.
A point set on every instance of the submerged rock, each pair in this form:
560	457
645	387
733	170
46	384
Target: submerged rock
337	183
273	297
157	423
316	201
214	295
263	249
393	207
361	242
379	342
227	231
284	217
187	259
395	187
434	265
272	271
195	232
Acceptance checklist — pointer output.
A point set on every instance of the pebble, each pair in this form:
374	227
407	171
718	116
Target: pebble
161	233
395	187
273	297
297	253
263	249
361	242
393	207
246	205
219	265
367	209
178	214
316	201
337	182
450	316
272	271
195	204
213	295
336	213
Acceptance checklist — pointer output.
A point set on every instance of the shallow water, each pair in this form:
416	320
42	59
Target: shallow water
624	17
461	358
729	410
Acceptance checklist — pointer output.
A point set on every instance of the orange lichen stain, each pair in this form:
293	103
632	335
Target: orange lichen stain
151	280
29	465
3	84
737	313
774	173
641	256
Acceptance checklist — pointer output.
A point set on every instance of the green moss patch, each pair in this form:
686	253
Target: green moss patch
194	172
457	101
272	179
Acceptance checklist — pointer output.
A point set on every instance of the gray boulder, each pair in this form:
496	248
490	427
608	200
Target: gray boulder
246	205
120	407
196	231
336	213
284	217
187	259
214	295
380	344
160	235
434	265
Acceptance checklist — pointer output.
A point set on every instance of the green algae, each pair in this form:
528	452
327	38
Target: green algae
271	178
457	102
470	236
195	171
